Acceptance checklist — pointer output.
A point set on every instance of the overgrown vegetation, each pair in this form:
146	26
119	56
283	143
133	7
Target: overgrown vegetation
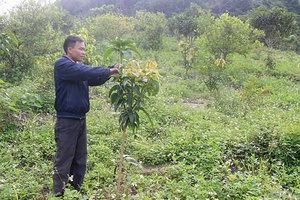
226	128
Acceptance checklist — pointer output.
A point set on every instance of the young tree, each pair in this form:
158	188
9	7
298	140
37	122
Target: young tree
35	24
110	26
188	53
276	23
136	82
151	28
38	28
8	48
228	35
191	23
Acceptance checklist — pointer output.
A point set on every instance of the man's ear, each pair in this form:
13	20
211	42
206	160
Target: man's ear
69	50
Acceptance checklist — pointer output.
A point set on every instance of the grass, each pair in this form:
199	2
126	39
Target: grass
240	142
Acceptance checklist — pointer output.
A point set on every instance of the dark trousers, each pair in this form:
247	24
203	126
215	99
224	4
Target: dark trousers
71	153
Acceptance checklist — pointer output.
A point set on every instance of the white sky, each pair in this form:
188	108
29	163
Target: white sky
6	5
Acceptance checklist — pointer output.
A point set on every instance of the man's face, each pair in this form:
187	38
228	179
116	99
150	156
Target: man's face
76	53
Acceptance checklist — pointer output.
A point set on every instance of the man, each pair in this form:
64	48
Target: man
72	81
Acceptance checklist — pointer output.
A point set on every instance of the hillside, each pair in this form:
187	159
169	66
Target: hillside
233	143
170	7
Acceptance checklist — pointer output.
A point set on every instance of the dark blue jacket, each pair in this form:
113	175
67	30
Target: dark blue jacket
71	86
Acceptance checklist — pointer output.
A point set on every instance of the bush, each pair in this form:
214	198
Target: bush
7	107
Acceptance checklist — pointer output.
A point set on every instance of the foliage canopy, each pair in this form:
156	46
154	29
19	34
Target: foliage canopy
228	35
276	23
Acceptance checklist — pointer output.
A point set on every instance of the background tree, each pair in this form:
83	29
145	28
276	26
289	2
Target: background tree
276	23
228	35
188	23
105	9
292	6
8	53
38	28
92	56
204	21
151	28
76	7
8	46
234	7
110	26
170	7
39	22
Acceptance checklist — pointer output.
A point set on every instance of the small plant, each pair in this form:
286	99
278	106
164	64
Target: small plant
136	82
253	91
7	104
270	62
212	70
188	54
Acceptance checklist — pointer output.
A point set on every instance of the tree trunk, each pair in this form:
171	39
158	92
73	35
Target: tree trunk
121	164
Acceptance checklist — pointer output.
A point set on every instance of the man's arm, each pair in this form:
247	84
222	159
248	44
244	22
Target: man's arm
70	71
99	80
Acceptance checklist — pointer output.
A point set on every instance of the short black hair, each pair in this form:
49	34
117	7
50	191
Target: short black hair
70	41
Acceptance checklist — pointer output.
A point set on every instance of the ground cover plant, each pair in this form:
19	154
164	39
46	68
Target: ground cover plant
226	128
233	143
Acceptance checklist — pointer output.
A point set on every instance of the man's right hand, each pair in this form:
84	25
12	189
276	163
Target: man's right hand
114	71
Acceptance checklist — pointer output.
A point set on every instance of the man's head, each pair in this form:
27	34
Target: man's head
74	48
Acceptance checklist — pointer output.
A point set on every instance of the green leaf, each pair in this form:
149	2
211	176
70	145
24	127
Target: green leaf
131	117
146	113
13	108
114	97
120	101
13	38
123	121
137	91
129	100
154	87
108	52
115	87
131	47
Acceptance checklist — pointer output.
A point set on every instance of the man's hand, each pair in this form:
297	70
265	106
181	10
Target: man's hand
114	71
117	65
